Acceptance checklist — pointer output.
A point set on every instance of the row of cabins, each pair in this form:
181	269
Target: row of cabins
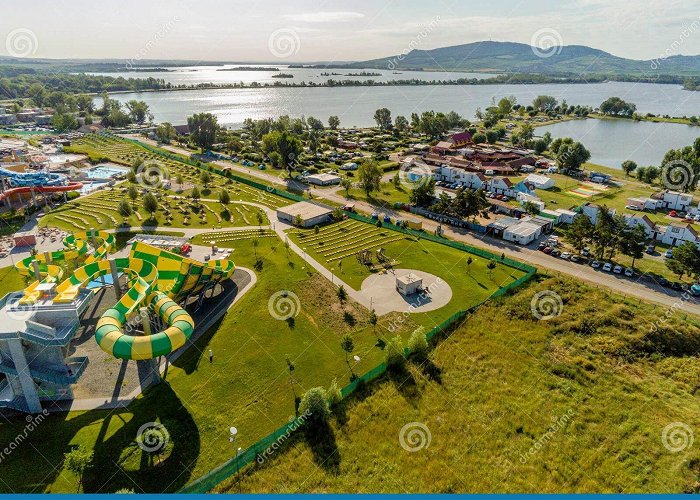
671	235
664	200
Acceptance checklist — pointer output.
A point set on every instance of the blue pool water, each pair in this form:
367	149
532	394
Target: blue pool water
106	171
89	187
98	282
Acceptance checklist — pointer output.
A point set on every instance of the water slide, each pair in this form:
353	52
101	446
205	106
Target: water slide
76	245
39	182
157	279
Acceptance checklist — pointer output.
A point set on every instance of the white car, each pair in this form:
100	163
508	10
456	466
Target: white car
595	264
617	269
565	255
632	207
628	272
607	267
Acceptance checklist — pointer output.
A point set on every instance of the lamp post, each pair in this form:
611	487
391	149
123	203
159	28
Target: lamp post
238	454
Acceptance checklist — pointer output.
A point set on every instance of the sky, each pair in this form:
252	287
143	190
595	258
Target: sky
330	30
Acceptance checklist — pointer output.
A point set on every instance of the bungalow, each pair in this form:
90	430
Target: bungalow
644	221
642	203
674	235
349	166
442	147
524	198
566	216
473	180
591	210
460	139
540	181
673	200
504	186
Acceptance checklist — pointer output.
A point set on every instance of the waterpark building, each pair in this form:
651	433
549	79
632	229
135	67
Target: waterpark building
38	324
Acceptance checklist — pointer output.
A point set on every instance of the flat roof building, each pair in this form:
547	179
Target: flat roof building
308	214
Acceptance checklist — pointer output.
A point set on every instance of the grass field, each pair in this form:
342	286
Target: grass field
576	403
247	386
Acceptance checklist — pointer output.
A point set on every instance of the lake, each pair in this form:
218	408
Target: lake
194	75
356	105
613	141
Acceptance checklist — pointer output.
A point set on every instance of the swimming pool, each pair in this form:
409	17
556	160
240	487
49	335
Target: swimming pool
89	187
106	171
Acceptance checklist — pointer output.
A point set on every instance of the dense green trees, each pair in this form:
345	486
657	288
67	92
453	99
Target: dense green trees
570	155
165	132
333	122
383	118
203	127
685	260
617	107
286	146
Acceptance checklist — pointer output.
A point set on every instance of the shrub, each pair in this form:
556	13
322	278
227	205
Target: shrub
395	358
334	394
315	403
418	344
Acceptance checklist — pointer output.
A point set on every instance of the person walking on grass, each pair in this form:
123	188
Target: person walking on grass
211	356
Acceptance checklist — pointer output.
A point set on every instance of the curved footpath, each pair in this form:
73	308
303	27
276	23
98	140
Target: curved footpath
645	290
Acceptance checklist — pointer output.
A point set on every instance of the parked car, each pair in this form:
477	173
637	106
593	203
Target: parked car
586	252
541	246
575	259
617	269
555	253
664	282
607	267
668	253
595	264
565	255
632	207
695	290
629	272
676	286
547	249
673	213
650	250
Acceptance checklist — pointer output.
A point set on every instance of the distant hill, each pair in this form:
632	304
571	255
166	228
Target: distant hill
523	58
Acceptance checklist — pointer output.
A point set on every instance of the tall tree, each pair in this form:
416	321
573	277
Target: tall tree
203	127
286	145
383	118
370	177
333	122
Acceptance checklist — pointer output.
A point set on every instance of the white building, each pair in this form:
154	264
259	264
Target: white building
522	233
644	221
643	203
591	211
408	284
349	166
673	200
673	235
472	180
540	181
524	198
566	216
322	179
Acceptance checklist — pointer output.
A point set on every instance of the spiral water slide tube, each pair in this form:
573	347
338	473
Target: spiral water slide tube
39	182
76	245
157	279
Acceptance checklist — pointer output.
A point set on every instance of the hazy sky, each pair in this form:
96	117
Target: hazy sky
330	30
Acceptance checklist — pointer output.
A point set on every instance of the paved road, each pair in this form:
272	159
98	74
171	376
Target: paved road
646	290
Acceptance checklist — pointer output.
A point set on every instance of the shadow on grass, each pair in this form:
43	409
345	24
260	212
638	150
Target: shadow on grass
117	462
405	383
320	438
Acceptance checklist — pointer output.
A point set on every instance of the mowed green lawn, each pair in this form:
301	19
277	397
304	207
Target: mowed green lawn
247	386
582	402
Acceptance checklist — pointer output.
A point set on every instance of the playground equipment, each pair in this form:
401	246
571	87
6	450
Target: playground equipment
34	182
38	323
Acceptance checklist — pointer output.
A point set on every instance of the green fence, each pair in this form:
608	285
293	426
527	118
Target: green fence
233	466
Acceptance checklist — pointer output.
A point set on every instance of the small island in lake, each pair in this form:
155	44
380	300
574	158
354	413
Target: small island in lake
249	68
283	75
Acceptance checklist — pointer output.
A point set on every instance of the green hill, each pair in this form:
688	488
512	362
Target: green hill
523	58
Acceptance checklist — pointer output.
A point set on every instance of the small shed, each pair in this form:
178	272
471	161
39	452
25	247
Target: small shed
408	284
